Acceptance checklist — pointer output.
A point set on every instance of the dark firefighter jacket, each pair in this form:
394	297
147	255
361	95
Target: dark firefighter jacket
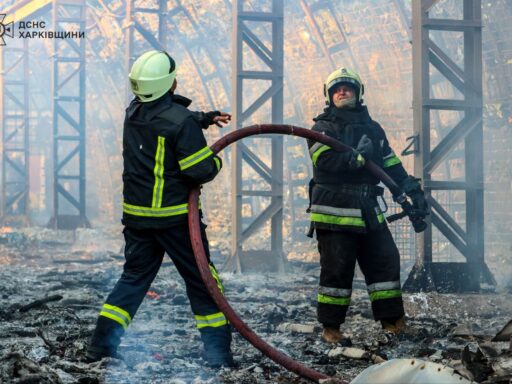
165	154
344	199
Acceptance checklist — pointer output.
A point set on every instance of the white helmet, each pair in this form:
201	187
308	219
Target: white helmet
346	76
152	75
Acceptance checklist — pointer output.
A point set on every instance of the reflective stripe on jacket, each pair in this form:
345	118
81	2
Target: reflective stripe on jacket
334	206
165	154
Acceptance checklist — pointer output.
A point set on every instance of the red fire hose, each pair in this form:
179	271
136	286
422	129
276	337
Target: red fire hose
200	255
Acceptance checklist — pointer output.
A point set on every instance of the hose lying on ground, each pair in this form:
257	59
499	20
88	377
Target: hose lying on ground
200	255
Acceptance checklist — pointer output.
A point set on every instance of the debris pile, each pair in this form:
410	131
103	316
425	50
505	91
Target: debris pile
51	292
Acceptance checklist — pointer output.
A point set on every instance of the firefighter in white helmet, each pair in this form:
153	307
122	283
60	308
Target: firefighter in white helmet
345	214
165	155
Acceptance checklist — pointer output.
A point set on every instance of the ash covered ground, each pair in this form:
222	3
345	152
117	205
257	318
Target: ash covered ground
44	343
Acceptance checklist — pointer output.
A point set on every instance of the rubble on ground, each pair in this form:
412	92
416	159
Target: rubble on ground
53	284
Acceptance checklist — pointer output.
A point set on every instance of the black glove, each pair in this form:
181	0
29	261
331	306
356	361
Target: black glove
365	147
208	118
363	152
355	160
412	188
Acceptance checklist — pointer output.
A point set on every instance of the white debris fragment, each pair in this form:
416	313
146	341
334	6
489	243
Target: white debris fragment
299	328
409	371
355	353
349	352
436	356
38	354
503	366
65	377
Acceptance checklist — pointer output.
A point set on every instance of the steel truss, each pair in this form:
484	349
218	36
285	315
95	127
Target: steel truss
195	42
15	133
469	241
68	105
242	258
324	9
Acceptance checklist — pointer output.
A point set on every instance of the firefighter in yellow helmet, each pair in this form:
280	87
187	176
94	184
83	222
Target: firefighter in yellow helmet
345	214
165	154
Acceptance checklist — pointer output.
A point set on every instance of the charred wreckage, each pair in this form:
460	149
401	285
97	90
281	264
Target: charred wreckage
48	312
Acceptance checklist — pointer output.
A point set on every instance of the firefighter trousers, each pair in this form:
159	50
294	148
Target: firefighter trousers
144	252
379	260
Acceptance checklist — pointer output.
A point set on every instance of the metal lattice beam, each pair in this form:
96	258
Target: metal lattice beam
469	241
15	133
194	46
324	9
68	105
242	258
198	46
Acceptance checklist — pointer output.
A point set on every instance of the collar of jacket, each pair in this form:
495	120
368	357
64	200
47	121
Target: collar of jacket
147	111
356	115
181	100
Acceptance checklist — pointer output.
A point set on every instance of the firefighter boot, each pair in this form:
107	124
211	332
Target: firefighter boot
331	335
105	340
393	325
217	346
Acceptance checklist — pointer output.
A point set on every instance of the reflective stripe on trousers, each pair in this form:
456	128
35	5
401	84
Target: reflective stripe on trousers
384	290
116	314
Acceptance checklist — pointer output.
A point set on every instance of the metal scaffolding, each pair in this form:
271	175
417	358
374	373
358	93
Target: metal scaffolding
14	96
68	105
334	42
466	80
243	258
195	43
201	52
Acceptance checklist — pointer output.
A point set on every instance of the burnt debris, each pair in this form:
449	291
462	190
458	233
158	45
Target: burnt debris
52	289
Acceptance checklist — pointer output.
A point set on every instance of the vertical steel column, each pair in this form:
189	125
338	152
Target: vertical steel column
14	99
68	89
243	259
468	80
474	140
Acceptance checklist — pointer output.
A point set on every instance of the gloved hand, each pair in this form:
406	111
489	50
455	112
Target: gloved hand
214	117
355	161
365	147
222	119
363	152
412	188
420	205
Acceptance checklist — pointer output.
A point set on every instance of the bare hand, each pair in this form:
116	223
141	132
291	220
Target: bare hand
224	118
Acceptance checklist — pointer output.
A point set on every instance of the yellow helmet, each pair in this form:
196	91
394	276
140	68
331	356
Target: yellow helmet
344	75
152	75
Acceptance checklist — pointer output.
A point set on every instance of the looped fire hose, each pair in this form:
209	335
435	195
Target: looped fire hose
200	255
